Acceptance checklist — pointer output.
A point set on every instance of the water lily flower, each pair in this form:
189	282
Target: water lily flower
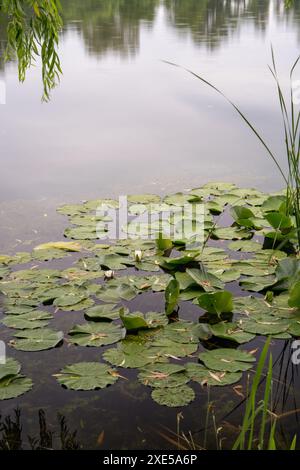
109	274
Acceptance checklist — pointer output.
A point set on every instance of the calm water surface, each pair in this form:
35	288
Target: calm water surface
122	121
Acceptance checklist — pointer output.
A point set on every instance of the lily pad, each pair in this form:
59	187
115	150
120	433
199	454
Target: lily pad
165	347
231	233
86	376
64	246
138	320
204	279
132	354
264	325
199	373
10	368
227	360
232	332
245	246
173	397
144	199
257	283
163	375
96	334
15	386
31	320
216	302
172	296
113	293
37	340
186	332
104	312
294	298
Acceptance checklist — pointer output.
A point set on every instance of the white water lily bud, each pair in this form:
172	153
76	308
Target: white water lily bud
109	274
138	255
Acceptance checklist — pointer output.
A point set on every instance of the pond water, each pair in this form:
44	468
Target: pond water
123	122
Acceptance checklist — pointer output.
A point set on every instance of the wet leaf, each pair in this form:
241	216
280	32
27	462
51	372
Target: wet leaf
31	320
104	312
37	340
173	397
231	332
163	375
245	246
172	296
131	354
96	334
227	360
216	302
294	298
86	376
199	373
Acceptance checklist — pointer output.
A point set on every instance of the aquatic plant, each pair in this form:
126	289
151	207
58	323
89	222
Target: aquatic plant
260	411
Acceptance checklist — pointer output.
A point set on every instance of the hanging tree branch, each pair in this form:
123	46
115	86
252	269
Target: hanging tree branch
33	31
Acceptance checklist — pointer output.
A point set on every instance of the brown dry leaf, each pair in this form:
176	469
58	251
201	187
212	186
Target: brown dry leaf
215	376
238	390
100	438
254	351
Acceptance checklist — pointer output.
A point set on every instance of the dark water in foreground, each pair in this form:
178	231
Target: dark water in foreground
124	122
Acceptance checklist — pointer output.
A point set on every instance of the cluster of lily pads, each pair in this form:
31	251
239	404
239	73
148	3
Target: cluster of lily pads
257	251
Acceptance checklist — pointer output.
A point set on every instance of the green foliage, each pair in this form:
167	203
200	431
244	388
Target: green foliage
216	302
258	411
32	32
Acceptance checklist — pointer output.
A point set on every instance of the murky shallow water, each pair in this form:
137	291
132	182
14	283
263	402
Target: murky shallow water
122	121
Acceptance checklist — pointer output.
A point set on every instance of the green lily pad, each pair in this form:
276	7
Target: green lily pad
137	320
172	296
231	332
180	199
163	375
144	199
199	373
173	397
273	203
186	332
174	263
205	280
216	302
294	298
113	293
31	320
105	312
86	376
231	233
14	387
227	360
240	213
264	325
96	334
131	354
257	283
165	347
68	300
10	368
114	261
245	246
37	340
225	275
